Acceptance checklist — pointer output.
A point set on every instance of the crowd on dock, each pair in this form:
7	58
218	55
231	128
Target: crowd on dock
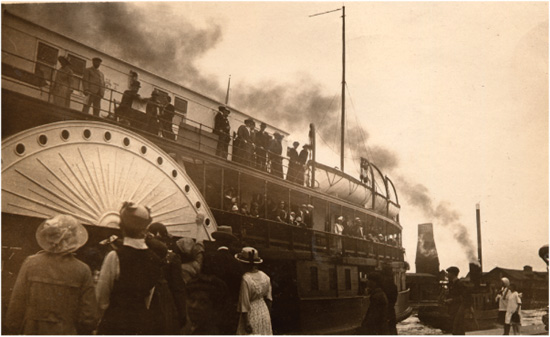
149	283
152	283
459	301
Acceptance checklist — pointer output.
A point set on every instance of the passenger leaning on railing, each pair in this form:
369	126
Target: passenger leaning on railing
124	112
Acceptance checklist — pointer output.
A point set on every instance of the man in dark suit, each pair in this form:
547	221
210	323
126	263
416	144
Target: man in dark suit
292	153
261	140
243	145
223	265
93	83
166	118
275	150
302	161
455	301
222	129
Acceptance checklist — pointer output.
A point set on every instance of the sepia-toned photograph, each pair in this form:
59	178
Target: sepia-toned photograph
275	168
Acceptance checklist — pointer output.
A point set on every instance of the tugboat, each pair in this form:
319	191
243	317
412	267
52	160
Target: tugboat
481	309
57	159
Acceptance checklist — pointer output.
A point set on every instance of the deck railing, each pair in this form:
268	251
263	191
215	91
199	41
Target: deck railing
188	132
273	234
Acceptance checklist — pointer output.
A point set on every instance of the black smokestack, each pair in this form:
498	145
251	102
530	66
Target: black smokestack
418	195
427	260
475	274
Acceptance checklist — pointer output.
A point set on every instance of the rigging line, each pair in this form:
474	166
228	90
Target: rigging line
357	123
326	111
321	123
367	151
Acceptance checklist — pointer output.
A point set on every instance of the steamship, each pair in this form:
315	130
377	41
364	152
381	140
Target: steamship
56	159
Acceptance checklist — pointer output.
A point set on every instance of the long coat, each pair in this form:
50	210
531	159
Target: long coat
274	151
61	87
242	147
93	82
376	318
53	295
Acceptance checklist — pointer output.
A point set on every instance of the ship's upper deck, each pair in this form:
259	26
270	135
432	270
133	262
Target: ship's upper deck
29	66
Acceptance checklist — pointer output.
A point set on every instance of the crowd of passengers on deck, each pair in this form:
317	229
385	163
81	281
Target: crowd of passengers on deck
155	114
302	216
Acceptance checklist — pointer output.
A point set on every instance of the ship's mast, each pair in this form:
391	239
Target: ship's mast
342	148
343	122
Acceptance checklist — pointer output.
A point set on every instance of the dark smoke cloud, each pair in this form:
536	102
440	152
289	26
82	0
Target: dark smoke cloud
151	38
441	214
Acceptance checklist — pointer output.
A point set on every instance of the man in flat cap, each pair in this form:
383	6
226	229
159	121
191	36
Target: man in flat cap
455	301
222	129
93	82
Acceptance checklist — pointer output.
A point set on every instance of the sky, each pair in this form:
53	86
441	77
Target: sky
449	99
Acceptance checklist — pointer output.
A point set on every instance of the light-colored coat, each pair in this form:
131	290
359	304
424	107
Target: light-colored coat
93	82
53	295
514	301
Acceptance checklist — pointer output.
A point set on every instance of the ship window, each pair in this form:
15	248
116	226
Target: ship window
314	276
332	279
78	65
180	105
163	96
46	58
347	278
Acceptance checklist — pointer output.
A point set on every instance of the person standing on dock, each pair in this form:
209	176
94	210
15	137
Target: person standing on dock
54	291
222	129
502	299
93	83
376	318
513	312
223	265
455	301
255	296
128	277
390	289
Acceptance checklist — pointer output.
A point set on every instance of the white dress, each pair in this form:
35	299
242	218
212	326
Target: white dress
255	286
514	301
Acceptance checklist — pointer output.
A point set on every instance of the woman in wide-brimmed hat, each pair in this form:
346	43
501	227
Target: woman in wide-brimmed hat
54	291
61	88
255	296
